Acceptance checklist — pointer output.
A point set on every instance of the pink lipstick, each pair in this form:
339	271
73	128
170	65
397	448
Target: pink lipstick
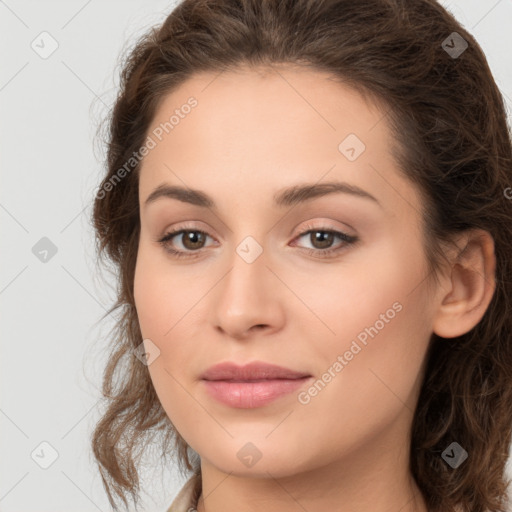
253	385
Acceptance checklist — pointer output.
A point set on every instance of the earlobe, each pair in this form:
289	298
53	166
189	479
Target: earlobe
470	287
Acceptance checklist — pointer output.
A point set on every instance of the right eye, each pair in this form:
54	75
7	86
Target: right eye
190	239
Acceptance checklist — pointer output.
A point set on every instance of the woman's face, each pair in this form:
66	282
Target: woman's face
269	281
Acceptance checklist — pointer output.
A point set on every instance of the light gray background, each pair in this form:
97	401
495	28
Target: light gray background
51	360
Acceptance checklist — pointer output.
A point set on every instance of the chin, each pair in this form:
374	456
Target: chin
256	459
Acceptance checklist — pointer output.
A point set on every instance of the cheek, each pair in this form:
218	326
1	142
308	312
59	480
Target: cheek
162	296
162	315
381	321
377	315
170	310
374	295
375	383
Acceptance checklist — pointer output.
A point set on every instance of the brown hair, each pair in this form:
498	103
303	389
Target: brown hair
449	122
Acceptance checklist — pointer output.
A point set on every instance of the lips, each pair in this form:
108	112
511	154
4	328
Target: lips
251	372
253	385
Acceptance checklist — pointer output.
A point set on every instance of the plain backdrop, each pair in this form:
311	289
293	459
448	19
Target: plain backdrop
51	296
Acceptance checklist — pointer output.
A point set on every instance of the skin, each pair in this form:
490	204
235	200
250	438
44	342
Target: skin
254	132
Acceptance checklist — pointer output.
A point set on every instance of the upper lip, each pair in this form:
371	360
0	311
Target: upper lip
256	370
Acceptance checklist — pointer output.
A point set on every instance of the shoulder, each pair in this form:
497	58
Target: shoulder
186	499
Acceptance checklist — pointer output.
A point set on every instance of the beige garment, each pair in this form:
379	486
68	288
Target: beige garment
185	500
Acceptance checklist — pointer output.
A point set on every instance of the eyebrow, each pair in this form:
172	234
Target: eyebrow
283	198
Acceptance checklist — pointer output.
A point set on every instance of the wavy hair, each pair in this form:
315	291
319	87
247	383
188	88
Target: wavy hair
453	142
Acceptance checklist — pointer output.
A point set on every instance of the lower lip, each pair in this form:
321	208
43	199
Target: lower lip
249	395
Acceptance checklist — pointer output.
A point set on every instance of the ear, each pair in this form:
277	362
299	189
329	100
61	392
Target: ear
469	285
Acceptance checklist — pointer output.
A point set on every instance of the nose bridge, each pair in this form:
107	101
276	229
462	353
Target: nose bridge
247	295
247	278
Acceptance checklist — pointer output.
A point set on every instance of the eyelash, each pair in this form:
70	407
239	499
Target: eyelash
325	253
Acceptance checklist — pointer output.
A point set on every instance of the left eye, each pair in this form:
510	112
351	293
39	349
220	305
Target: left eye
325	237
192	240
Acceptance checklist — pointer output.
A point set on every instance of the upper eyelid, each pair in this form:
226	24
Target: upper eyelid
176	232
323	227
326	225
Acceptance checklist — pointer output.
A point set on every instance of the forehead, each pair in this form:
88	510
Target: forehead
270	127
268	100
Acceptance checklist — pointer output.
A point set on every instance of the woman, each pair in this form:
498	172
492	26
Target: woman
306	203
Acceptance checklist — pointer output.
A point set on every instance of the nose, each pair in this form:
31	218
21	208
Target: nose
248	299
